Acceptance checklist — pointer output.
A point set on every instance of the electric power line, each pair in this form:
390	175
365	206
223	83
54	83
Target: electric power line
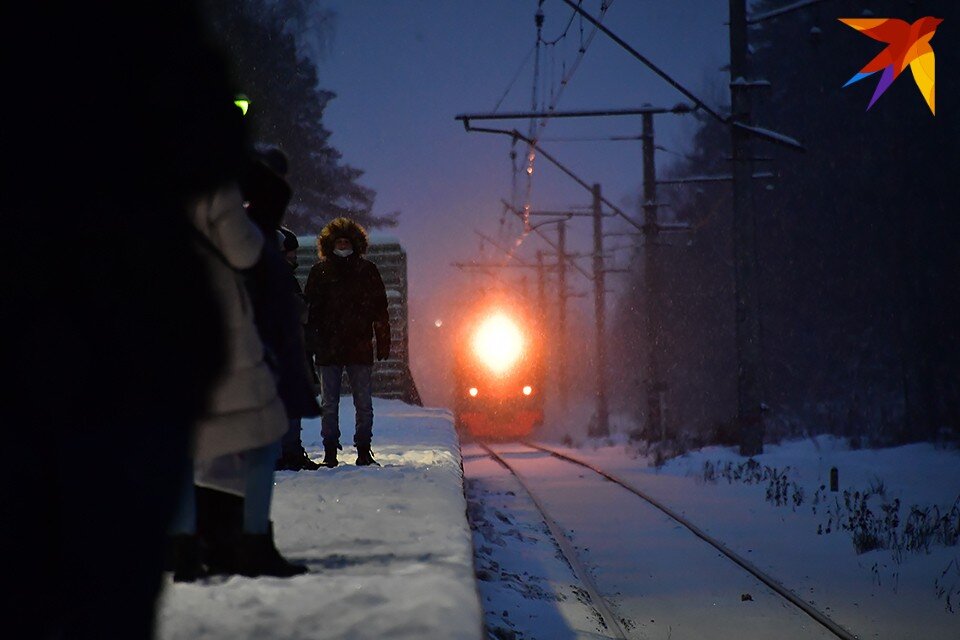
513	81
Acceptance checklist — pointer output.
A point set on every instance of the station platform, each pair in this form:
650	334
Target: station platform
389	548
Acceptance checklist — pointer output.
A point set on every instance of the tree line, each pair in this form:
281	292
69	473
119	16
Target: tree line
857	246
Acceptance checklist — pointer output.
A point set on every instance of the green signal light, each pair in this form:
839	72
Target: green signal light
243	104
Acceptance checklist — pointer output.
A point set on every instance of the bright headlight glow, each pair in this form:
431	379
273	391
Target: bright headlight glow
473	391
527	390
498	343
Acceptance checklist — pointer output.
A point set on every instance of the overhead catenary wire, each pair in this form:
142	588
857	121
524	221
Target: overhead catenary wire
569	73
650	65
535	127
553	245
516	76
581	52
566	29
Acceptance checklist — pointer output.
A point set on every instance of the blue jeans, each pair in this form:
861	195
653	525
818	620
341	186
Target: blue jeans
258	471
360	383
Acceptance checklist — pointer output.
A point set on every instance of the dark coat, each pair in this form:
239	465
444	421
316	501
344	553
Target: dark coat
347	304
112	333
277	308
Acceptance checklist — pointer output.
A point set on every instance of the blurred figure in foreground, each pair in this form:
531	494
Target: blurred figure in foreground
347	307
113	336
279	303
238	437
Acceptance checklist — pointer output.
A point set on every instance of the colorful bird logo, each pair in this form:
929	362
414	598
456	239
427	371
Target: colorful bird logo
907	44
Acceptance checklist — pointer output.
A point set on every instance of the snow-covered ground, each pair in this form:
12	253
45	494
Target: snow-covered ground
391	556
774	513
388	548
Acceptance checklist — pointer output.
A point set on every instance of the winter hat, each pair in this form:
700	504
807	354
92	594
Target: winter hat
274	158
288	239
342	228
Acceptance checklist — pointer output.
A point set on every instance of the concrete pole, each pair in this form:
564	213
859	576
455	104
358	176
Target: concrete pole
749	353
562	315
541	318
656	426
601	428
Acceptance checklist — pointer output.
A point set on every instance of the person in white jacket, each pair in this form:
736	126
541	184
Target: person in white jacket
237	440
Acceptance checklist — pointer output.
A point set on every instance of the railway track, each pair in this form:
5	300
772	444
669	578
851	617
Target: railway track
610	620
602	606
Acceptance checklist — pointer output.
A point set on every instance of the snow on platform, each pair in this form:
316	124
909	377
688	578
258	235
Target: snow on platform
389	548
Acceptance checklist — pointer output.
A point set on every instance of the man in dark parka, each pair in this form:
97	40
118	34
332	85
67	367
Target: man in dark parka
347	308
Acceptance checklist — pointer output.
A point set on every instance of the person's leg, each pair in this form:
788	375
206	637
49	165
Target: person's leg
113	525
361	384
293	457
184	521
184	559
290	442
258	465
360	376
257	552
330	376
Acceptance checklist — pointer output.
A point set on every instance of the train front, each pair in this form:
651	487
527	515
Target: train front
499	391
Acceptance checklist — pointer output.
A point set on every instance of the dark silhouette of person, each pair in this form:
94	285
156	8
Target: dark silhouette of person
293	457
347	308
117	116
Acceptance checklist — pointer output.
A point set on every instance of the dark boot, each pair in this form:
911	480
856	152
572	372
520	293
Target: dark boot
219	525
296	461
185	552
306	463
365	456
330	455
287	462
259	557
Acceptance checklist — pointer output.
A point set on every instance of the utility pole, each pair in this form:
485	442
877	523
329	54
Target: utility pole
562	314
541	314
749	354
601	428
656	427
541	291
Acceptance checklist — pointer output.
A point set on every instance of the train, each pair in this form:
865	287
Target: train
498	370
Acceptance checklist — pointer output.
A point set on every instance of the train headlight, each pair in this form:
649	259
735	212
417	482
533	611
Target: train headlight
473	392
527	390
498	343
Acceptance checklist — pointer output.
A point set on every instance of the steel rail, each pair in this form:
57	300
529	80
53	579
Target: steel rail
608	618
768	580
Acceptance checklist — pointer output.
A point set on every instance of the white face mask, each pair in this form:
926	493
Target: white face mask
343	253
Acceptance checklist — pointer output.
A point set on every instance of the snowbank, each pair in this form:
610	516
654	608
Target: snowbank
795	528
389	548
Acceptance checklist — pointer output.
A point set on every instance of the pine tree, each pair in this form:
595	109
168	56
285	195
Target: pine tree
287	105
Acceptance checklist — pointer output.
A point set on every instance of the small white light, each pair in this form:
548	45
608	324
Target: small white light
527	390
474	391
438	323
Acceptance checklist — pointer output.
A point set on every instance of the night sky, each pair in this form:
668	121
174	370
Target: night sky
403	70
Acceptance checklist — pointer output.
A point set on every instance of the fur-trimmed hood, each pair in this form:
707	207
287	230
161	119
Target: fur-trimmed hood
342	228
